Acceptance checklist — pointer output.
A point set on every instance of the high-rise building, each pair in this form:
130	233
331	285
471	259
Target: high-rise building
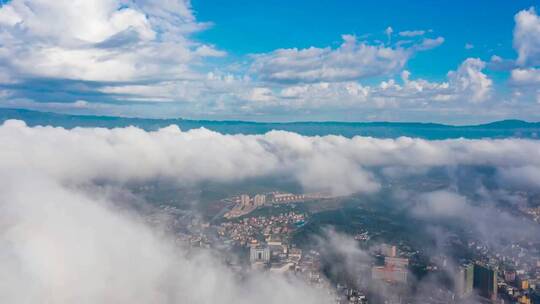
510	276
244	200
388	250
485	281
259	199
258	254
394	270
396	262
464	281
389	274
523	283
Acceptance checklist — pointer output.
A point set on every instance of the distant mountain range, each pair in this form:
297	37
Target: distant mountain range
498	129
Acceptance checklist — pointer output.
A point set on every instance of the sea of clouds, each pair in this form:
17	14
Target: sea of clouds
60	244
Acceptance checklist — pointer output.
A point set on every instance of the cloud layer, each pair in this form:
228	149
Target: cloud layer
330	163
60	244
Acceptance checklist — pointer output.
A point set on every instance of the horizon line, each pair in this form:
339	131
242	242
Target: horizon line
269	122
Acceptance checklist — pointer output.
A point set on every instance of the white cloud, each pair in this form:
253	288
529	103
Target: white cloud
527	37
468	84
526	176
105	40
413	33
77	107
478	212
388	33
529	76
418	90
197	89
259	94
441	203
497	63
325	93
80	103
63	245
351	60
53	231
469	46
341	164
470	81
526	84
429	43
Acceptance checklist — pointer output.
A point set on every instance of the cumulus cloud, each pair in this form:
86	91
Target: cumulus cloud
471	81
351	60
333	94
259	94
527	37
524	72
528	76
468	83
115	41
418	90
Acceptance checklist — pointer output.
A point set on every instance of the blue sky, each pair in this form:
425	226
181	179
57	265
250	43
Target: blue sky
442	61
244	27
